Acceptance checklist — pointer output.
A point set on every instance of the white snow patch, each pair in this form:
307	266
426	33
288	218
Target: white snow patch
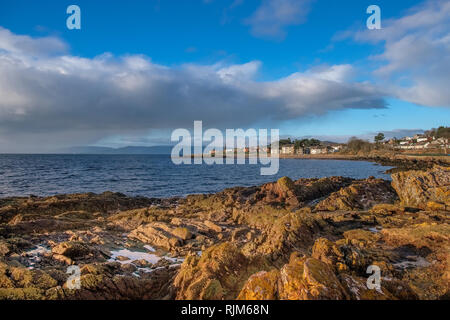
133	255
413	262
139	255
34	255
149	248
375	229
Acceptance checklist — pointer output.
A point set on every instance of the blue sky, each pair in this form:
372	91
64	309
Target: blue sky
175	32
309	67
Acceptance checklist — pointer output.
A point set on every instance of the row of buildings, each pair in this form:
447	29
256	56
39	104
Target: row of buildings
417	142
291	150
288	149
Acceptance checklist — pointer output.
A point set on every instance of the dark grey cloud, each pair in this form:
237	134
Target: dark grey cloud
50	98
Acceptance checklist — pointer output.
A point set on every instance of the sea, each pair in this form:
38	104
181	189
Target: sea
154	175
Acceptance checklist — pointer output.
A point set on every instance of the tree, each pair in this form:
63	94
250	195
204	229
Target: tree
314	143
356	145
379	137
283	142
443	132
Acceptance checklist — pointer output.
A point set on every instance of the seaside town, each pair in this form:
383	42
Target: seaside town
219	158
431	141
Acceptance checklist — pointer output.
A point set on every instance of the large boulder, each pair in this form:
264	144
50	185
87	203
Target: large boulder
72	249
328	252
282	191
219	273
418	188
261	286
157	234
309	279
301	279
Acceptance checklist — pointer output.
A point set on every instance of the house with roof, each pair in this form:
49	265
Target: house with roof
288	149
318	150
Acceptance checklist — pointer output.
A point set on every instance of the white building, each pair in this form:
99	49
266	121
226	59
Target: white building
318	150
288	149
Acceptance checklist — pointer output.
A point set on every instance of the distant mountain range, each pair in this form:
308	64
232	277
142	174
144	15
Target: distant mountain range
123	150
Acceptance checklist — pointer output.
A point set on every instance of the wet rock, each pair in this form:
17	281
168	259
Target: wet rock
357	288
399	289
162	263
122	258
142	263
128	267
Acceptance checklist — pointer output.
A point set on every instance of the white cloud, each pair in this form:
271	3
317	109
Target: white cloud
369	136
18	44
416	56
51	100
273	16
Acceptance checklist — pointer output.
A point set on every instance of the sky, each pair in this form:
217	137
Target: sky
138	69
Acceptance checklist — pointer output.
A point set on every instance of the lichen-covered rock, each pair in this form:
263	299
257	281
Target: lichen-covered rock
417	188
387	209
156	234
309	279
182	233
213	226
72	249
284	190
235	243
360	195
292	230
328	252
224	263
4	248
18	283
102	282
261	286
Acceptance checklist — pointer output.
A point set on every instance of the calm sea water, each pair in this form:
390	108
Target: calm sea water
153	175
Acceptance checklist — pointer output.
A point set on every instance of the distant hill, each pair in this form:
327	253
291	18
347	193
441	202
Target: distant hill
330	143
124	150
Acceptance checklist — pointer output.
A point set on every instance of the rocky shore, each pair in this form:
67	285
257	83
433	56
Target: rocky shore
303	239
399	162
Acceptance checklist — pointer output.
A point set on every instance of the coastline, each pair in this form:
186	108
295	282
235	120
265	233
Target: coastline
228	244
400	162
